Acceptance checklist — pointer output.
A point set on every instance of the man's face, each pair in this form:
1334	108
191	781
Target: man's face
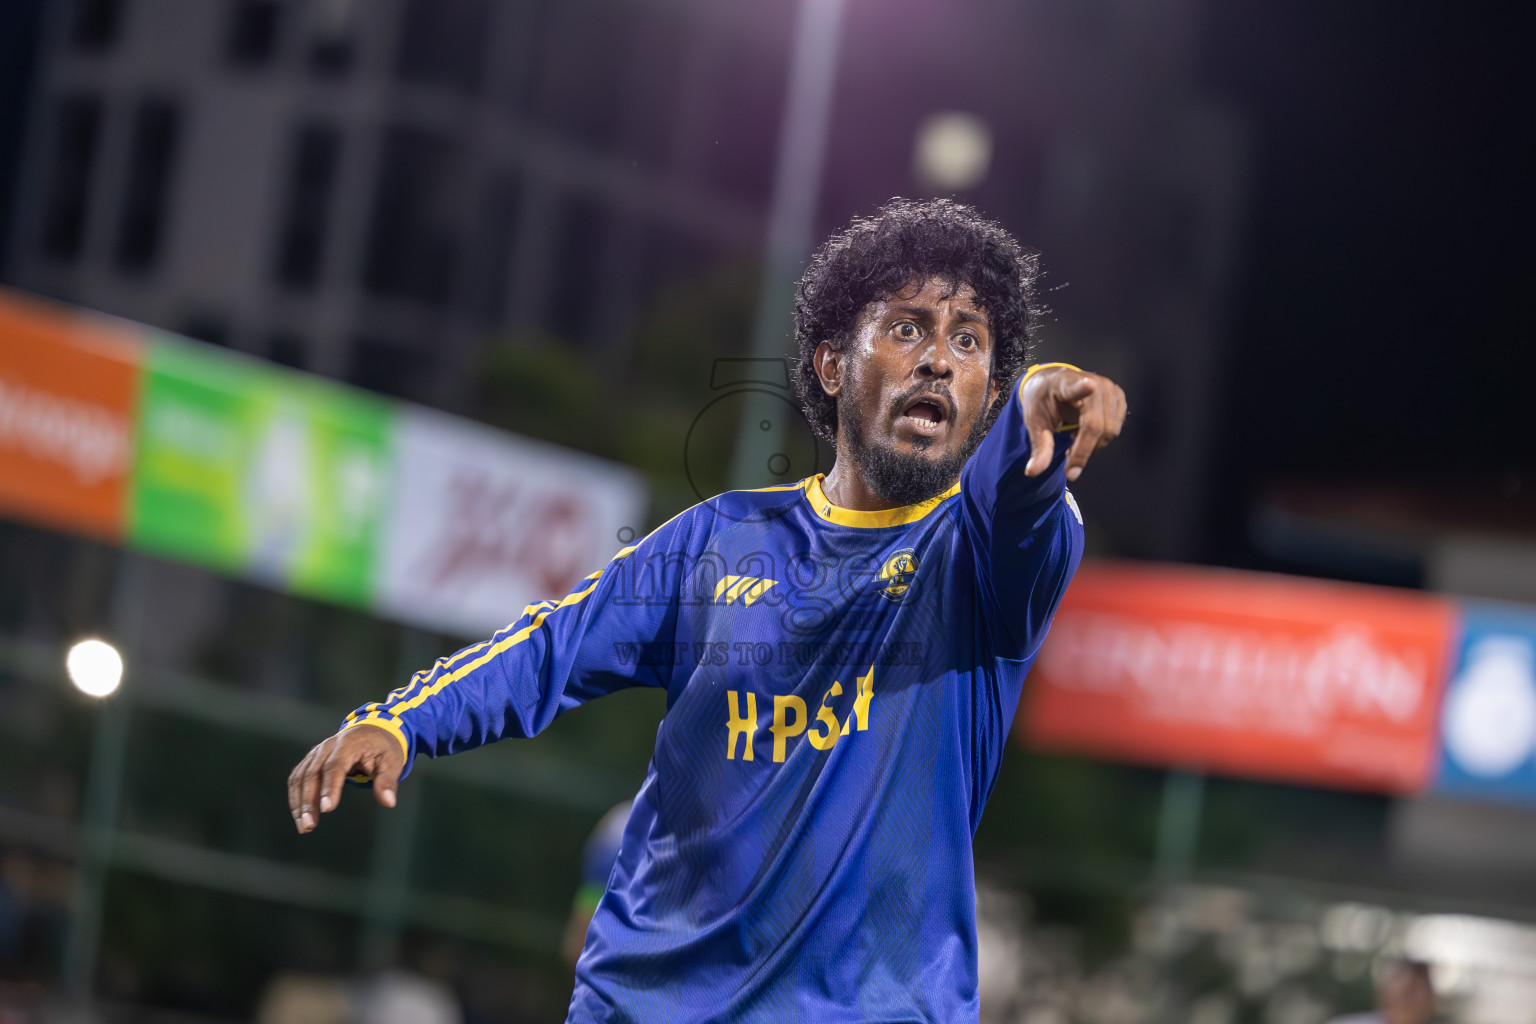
913	386
1406	996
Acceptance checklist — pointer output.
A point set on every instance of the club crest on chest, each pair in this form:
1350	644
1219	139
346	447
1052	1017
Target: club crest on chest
896	574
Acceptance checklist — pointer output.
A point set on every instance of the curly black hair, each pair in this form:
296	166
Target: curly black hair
908	241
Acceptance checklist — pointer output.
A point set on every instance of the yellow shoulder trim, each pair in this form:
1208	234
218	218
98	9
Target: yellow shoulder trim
798	486
872	519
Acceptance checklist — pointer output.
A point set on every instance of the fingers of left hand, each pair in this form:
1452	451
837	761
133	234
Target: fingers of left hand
1076	388
1098	423
1112	411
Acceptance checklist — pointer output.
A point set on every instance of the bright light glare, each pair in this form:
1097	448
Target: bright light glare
94	667
953	151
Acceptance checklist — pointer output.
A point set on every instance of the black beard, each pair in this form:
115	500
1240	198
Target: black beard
905	479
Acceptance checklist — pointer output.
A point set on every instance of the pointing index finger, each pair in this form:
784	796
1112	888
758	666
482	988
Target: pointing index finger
1090	436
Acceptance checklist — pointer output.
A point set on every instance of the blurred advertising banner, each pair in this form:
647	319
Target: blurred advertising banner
251	468
185	450
483	522
1488	726
1244	674
67	393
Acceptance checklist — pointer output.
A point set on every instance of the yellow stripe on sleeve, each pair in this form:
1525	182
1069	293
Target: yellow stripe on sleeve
502	645
539	610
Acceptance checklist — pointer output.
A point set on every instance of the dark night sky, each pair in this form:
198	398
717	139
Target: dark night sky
1381	326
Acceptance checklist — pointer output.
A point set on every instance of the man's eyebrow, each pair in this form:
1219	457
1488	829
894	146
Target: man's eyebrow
963	315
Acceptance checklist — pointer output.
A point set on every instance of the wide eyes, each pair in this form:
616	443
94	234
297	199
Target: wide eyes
906	330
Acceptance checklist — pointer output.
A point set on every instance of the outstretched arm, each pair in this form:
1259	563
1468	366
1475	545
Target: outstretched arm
556	656
1024	527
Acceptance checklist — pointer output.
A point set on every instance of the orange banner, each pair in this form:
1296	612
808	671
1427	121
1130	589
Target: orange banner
67	391
1245	674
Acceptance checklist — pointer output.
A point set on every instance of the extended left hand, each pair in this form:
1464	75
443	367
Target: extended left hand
1058	397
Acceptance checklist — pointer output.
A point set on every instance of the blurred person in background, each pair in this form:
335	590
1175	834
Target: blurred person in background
10	918
1001	953
1405	994
389	997
597	857
843	657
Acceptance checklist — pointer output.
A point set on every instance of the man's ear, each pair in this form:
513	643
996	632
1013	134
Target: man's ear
829	368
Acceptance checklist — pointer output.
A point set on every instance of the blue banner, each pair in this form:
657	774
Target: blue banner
1488	723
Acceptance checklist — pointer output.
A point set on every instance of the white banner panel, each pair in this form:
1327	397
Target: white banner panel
483	523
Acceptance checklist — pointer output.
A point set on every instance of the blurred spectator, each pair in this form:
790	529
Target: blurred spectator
393	997
10	920
1404	995
597	857
400	997
1000	953
34	902
300	999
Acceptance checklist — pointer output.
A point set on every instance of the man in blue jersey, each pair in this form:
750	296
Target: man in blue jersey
842	657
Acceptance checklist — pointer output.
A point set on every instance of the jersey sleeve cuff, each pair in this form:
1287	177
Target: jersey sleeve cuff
390	725
1037	368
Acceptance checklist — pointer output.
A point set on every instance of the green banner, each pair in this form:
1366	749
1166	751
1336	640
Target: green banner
258	470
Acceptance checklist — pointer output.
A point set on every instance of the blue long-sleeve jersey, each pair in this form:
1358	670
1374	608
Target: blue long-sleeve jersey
839	688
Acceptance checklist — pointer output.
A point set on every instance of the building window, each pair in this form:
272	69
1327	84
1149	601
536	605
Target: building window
443	43
569	305
584	98
252	38
206	326
747	94
489	265
96	24
413	233
288	349
66	204
151	158
311	180
331	56
390	368
209	327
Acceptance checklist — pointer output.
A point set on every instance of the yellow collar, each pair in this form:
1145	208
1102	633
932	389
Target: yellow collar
879	517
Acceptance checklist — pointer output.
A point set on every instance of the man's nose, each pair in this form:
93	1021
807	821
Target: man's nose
933	360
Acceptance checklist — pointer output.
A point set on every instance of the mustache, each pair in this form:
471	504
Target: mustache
916	391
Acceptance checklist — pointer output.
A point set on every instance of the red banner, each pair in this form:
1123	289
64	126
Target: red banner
1244	674
67	387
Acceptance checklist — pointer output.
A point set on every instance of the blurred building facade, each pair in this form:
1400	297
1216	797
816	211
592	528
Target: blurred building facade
373	190
368	189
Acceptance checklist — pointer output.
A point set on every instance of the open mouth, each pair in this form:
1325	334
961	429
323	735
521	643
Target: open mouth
926	416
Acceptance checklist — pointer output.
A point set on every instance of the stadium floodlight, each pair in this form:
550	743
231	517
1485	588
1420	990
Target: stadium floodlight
953	151
94	667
